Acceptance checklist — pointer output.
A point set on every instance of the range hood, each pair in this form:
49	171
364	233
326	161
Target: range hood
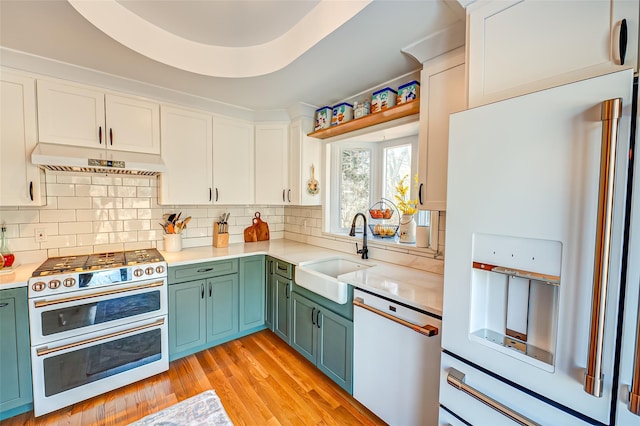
81	159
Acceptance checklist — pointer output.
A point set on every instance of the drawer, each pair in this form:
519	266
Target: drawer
284	269
178	274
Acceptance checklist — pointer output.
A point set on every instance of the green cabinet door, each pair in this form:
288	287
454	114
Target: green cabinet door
303	330
15	358
187	316
282	308
335	348
270	294
222	307
252	292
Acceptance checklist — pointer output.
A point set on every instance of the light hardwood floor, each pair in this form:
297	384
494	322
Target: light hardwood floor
259	379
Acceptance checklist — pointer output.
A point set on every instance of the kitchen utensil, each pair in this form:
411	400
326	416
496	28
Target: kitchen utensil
313	187
164	227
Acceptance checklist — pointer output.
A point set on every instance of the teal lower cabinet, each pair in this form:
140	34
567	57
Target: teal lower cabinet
214	302
324	338
278	295
15	355
252	292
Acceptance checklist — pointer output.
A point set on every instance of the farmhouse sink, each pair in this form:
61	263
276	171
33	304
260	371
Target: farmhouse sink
322	276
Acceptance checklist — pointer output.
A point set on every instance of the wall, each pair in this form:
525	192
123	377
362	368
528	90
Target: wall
90	213
304	224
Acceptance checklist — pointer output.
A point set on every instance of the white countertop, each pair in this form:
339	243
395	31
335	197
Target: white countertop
413	287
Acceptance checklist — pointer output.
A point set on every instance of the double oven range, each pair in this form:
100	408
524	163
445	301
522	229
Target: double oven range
97	322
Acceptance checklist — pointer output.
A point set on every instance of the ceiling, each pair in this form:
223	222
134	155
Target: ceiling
273	54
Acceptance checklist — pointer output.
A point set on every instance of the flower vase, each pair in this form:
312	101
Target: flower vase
407	229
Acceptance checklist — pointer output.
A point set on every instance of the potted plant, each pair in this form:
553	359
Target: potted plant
408	208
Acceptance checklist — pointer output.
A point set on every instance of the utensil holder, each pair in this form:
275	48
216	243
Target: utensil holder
172	242
220	239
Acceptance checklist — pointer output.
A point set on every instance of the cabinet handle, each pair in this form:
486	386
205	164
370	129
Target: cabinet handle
622	41
31	190
283	199
202	291
318	319
210	194
216	194
100	134
2	305
420	193
593	376
110	136
313	311
286	290
289	195
456	379
210	289
205	270
427	329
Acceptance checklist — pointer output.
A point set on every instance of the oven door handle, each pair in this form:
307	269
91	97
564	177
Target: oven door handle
46	350
44	303
428	329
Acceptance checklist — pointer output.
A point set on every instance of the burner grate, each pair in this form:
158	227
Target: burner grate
68	264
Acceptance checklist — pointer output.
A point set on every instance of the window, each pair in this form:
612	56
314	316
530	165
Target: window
362	173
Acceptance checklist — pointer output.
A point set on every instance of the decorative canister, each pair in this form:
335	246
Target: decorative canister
407	229
342	113
383	99
323	117
422	236
172	242
408	92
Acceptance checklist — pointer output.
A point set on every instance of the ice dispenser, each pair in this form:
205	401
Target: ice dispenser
514	296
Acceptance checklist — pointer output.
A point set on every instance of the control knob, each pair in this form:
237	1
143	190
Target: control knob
138	272
160	269
53	284
69	282
38	286
149	270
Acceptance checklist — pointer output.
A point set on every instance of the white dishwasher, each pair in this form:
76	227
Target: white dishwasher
396	362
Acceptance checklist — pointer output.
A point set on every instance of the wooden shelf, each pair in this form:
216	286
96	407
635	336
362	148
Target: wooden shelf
398	111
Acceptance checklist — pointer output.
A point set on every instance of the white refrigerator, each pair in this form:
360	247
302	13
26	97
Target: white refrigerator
542	269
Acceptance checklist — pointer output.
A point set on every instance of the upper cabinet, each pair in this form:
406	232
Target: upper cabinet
82	116
305	164
187	143
271	163
520	46
21	183
233	161
442	93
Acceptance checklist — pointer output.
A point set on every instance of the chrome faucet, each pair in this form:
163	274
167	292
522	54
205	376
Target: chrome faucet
364	251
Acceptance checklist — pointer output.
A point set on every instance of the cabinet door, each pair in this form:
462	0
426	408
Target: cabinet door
335	348
282	308
304	153
20	181
303	331
187	316
132	124
186	146
271	163
442	86
70	115
15	365
520	46
233	160
222	309
252	292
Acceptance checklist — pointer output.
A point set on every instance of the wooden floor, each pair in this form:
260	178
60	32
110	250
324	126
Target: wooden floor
259	379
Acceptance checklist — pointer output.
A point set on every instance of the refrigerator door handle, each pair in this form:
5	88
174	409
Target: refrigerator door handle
634	393
456	379
593	381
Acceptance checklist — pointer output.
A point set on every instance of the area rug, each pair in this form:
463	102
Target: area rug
202	409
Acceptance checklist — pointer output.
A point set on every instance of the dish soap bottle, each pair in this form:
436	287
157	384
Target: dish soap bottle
4	249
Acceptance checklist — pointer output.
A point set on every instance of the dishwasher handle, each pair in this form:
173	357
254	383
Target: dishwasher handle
428	330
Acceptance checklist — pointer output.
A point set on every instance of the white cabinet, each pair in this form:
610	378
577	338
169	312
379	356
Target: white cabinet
520	46
442	93
305	153
21	183
271	163
233	161
187	153
86	117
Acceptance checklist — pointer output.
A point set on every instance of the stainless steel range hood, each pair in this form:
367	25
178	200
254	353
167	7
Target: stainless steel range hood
80	159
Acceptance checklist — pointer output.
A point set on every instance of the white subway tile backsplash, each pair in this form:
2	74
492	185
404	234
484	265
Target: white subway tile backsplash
92	215
19	216
137	225
75	228
123	214
92	239
122	191
74	202
71	178
136	203
108	226
61	189
106	180
123	237
106	203
57	241
143	191
57	216
92	190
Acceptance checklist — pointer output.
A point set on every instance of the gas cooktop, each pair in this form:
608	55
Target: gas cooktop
93	262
